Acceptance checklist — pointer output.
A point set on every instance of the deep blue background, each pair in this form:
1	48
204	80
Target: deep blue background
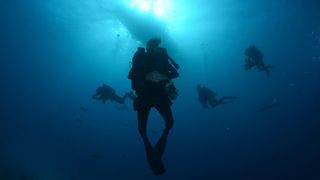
54	53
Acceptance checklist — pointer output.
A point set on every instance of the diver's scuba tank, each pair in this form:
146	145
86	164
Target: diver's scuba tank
171	90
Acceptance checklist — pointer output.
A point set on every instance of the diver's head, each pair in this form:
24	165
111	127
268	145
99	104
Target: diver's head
153	43
251	50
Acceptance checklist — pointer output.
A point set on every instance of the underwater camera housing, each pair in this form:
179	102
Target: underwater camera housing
171	90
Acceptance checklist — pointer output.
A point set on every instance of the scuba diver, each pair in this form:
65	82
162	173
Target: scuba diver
106	92
151	74
269	106
255	58
206	95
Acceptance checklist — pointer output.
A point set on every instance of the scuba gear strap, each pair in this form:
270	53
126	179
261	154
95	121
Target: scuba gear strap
175	65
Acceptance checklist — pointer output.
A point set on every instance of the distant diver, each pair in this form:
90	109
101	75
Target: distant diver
106	92
82	108
269	106
151	75
255	58
207	96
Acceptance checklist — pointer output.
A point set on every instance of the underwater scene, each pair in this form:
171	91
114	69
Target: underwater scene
160	89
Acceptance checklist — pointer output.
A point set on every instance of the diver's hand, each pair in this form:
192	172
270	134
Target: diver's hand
155	76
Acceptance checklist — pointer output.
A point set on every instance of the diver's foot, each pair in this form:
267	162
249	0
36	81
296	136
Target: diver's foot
230	97
226	102
131	95
158	168
270	67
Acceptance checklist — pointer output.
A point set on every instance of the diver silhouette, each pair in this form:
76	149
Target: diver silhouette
254	57
106	92
151	75
207	96
269	106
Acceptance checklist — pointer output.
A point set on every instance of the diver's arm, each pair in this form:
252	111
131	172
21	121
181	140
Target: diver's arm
94	96
172	73
136	59
98	92
173	63
132	73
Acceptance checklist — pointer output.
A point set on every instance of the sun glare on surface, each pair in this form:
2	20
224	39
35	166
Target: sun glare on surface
158	7
143	5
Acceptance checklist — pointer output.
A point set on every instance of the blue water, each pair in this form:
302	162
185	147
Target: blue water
55	53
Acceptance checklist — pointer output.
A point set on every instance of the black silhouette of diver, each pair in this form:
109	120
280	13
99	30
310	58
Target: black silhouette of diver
150	75
106	92
255	58
82	108
269	106
206	95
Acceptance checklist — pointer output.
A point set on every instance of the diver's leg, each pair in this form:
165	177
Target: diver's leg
161	144
260	68
166	113
157	166
143	114
269	66
131	95
153	155
227	99
118	99
154	158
